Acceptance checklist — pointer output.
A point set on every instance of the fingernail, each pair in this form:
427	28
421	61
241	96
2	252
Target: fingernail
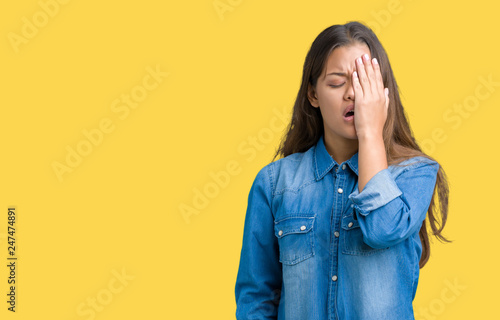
365	56
375	61
386	91
355	74
359	60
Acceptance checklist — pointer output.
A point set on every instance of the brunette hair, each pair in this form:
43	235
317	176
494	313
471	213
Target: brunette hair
306	125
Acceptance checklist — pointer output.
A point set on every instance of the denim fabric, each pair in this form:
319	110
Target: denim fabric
316	248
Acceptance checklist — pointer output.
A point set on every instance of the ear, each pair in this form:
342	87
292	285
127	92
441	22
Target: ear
311	96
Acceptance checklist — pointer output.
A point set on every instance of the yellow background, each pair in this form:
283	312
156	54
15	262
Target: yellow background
232	79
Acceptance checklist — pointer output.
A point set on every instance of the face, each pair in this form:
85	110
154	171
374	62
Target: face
334	93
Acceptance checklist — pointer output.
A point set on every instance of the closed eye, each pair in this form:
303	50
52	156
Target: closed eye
336	85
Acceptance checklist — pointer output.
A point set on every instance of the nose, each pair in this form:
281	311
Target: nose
349	92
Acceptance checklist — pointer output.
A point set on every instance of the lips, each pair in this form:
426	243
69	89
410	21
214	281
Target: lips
349	111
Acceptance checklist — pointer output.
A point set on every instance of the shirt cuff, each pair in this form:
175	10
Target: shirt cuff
378	191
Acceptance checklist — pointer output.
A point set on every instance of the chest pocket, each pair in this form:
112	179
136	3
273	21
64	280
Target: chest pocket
295	239
352	238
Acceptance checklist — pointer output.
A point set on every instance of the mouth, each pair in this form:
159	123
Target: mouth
349	112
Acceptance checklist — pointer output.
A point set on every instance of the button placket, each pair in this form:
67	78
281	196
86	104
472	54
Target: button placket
338	195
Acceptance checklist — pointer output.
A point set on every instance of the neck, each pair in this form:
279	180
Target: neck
340	149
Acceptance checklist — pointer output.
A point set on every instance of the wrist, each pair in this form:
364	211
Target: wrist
370	136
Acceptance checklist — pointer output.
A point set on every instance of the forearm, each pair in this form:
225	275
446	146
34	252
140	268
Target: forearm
371	158
371	104
394	202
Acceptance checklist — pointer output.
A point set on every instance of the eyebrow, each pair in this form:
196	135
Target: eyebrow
337	74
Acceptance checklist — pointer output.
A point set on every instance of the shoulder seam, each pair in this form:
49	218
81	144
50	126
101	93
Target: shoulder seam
417	164
271	180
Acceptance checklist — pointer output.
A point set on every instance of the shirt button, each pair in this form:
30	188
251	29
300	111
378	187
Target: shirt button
339	190
337	234
303	228
334	278
350	224
343	167
280	232
352	205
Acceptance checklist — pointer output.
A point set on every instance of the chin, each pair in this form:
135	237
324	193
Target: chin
352	135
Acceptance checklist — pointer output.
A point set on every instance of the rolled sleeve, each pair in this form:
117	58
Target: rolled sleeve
379	190
393	205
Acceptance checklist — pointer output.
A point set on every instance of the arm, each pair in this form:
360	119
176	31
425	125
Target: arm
370	104
371	159
389	209
258	283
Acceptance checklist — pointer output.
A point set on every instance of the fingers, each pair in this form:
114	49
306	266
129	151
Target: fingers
362	76
358	91
377	74
370	76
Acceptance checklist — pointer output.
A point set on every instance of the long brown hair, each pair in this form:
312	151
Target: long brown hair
306	125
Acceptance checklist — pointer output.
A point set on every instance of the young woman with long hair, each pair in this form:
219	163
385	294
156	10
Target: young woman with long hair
337	227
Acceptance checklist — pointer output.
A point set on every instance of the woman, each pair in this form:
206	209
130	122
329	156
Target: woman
336	228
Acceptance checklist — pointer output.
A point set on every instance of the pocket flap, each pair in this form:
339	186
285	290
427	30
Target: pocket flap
348	222
293	225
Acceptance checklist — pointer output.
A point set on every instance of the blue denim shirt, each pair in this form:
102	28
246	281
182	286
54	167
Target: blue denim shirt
316	248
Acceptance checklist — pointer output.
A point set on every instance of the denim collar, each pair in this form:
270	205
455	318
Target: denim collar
323	162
